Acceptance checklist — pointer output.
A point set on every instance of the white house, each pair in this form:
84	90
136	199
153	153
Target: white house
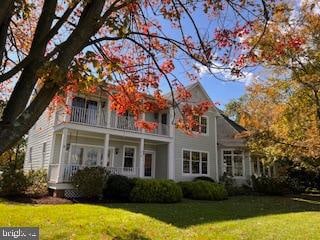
92	135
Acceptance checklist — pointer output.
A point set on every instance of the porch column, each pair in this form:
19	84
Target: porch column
171	161
62	154
141	155
106	149
66	117
250	165
108	114
171	122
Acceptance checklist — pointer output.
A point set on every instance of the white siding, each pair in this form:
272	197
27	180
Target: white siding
40	133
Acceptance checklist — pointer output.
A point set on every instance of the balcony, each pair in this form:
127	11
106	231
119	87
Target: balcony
94	117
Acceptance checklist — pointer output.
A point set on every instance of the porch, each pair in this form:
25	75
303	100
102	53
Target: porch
133	157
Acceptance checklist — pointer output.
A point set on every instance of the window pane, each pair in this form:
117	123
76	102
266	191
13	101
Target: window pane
238	167
204	163
203	127
128	157
228	164
237	152
92	156
195	156
186	155
195	128
195	167
186	166
195	162
226	152
77	155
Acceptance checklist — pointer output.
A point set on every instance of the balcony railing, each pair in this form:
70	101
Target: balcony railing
68	170
93	117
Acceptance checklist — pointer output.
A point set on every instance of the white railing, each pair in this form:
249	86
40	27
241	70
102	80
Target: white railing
68	170
84	115
123	122
92	117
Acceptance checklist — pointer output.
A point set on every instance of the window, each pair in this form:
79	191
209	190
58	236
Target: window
44	149
86	155
164	118
30	155
201	124
195	162
129	153
233	162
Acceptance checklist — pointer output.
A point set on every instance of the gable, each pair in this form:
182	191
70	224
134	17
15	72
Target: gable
199	94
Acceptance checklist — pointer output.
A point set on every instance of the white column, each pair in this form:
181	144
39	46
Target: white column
66	117
171	161
62	154
171	122
108	113
216	149
143	118
141	156
106	149
250	165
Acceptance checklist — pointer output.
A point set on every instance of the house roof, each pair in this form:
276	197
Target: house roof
233	124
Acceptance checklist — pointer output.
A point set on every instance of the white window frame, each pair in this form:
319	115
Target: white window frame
199	127
44	152
200	163
232	161
30	154
134	159
85	145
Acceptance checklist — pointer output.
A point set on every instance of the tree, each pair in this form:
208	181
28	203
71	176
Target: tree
282	113
119	48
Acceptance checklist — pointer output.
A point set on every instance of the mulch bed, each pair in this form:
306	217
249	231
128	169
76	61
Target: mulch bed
40	200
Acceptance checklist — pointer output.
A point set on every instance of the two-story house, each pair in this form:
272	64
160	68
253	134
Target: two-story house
92	135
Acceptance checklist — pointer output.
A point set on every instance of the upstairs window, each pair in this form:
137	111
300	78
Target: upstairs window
201	125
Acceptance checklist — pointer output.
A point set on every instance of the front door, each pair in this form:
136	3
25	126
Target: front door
149	164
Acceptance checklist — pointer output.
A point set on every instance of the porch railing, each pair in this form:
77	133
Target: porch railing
92	117
68	170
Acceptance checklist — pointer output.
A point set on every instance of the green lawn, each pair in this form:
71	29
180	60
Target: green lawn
236	218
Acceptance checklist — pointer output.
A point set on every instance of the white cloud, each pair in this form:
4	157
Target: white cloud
224	72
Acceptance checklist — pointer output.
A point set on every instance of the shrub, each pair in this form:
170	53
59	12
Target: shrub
232	188
270	186
155	190
204	178
13	182
37	183
203	190
118	187
90	181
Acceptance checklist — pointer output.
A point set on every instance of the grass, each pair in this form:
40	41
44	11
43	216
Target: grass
237	218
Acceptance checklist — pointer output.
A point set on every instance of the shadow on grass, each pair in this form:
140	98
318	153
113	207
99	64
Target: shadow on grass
190	212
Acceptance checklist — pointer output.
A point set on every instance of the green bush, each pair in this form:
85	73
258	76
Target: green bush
118	187
155	190
37	183
90	181
13	182
270	186
203	190
232	188
204	178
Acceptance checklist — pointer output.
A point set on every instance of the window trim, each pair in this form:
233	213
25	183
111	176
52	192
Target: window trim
200	165
232	162
134	158
30	154
43	153
207	128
